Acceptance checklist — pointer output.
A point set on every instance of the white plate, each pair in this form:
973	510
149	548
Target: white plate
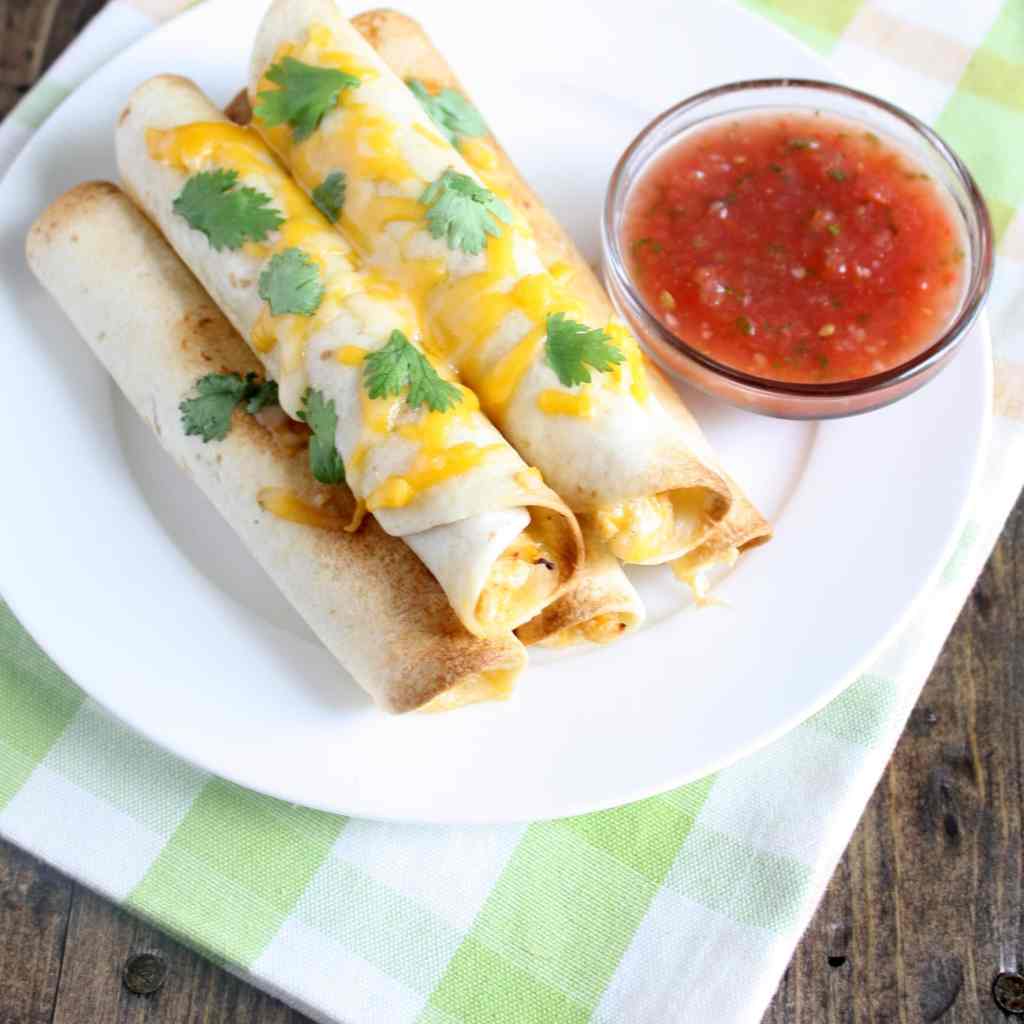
143	595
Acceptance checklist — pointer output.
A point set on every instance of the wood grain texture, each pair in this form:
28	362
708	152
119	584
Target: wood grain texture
924	910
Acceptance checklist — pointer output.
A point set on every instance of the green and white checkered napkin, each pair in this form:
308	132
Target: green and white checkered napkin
641	915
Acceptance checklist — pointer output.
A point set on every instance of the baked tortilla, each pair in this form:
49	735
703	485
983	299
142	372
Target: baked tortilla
502	544
365	594
610	447
601	605
407	49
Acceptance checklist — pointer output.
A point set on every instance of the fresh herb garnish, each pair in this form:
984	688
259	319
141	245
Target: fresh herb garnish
450	111
322	418
217	396
329	195
571	347
776	168
291	284
837	174
463	212
228	215
834	230
400	365
800	144
744	325
305	96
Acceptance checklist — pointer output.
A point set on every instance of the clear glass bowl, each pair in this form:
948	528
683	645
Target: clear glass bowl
784	398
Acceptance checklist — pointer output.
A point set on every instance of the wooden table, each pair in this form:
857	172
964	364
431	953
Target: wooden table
925	910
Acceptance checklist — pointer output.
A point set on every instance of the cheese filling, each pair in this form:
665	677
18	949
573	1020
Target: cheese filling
694	573
601	629
646	529
523	579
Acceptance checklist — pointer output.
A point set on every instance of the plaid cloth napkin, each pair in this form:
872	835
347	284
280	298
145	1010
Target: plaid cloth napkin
644	914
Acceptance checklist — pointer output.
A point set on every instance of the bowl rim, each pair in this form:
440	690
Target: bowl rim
977	286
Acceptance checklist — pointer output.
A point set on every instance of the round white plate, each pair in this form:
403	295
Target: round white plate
127	577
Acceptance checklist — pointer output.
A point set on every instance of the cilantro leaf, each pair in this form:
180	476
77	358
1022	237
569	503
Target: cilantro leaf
329	196
450	111
399	365
463	212
305	96
261	396
291	284
324	461
217	395
572	346
227	215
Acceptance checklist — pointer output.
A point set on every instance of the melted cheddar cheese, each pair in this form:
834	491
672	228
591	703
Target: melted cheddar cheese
462	315
192	148
195	147
286	504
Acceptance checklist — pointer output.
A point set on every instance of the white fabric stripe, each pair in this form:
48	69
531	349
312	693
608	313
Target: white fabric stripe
326	981
867	69
80	834
464	863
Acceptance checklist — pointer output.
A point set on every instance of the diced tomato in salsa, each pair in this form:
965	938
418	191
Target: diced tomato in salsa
796	247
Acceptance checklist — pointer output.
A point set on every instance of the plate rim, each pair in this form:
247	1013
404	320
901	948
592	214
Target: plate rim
38	628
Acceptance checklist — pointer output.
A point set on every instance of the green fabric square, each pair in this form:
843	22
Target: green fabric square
38	702
235	868
482	987
40	102
566	908
990	139
644	836
564	911
860	714
991	75
817	24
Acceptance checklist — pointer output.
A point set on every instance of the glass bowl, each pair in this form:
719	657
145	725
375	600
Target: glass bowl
784	398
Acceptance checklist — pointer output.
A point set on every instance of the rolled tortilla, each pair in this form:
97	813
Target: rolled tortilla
365	594
601	605
611	447
500	542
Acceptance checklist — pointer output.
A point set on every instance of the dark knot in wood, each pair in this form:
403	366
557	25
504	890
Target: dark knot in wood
1008	992
144	974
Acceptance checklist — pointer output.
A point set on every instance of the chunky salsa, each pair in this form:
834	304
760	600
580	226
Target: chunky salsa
797	247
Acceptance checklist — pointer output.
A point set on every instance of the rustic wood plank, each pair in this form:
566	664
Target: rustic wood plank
102	939
927	906
34	906
32	34
25	27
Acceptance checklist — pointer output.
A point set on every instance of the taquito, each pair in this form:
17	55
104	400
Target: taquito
602	604
556	372
364	594
345	347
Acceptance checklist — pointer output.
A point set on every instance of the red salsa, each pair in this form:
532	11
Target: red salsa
797	247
